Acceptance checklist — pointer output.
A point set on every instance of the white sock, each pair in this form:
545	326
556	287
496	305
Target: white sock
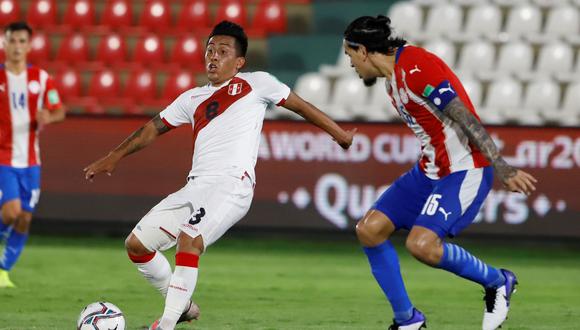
179	293
157	271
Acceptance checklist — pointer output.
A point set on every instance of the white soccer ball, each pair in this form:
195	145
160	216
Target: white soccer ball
101	316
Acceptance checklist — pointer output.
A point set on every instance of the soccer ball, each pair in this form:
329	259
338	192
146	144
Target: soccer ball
101	316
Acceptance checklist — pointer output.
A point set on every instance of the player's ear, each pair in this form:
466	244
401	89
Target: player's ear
240	62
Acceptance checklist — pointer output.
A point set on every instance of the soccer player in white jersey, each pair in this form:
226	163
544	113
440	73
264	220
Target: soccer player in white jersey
226	116
443	193
28	101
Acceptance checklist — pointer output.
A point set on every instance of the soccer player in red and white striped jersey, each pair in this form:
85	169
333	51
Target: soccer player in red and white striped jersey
28	101
443	193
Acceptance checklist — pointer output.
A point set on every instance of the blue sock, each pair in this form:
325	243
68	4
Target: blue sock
385	267
462	263
13	249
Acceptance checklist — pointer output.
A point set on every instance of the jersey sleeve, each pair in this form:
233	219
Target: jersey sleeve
425	76
51	100
177	113
270	89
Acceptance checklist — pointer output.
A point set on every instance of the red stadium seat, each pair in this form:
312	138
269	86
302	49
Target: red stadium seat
80	13
104	84
156	15
270	16
9	11
74	48
141	85
194	15
188	52
68	83
112	49
40	51
117	13
177	83
42	13
232	10
149	49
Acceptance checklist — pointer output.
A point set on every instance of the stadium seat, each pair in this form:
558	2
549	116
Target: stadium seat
112	49
504	96
232	10
443	19
141	86
150	50
68	83
40	52
156	15
314	88
194	15
177	83
541	96
350	94
483	20
569	114
474	91
442	48
562	21
270	15
523	19
516	57
74	49
80	13
41	13
9	11
555	57
477	56
117	14
407	18
188	52
105	84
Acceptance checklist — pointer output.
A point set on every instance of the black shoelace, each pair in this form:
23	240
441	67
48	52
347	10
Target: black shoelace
489	298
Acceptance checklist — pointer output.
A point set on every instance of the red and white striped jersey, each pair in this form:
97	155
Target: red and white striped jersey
226	122
420	88
22	97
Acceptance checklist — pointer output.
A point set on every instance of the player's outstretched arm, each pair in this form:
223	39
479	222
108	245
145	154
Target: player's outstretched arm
46	116
514	179
320	119
135	142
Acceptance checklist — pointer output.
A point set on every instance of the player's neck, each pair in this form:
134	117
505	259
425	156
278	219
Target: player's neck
385	64
15	67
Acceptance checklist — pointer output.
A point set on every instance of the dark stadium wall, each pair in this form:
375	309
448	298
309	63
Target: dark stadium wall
304	181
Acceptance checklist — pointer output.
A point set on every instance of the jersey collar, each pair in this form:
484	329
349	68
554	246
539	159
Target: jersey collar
398	54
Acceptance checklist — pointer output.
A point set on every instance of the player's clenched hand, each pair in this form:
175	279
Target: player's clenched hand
520	182
346	140
106	164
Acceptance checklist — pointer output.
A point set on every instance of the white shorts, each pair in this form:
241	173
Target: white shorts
206	206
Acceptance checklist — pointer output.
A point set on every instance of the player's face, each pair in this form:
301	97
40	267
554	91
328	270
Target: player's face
359	61
16	45
221	60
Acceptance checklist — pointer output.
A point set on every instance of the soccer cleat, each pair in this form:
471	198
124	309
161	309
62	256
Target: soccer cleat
5	280
497	302
416	322
192	313
155	325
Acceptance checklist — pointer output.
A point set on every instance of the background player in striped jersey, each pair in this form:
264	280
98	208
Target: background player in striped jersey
226	116
443	193
28	101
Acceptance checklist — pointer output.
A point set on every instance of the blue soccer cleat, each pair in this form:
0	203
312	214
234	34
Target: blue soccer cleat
416	322
497	302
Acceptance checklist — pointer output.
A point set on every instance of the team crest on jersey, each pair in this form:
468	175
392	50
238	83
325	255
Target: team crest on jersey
235	89
34	87
403	95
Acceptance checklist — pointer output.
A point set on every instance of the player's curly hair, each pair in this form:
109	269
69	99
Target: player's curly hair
18	26
375	33
227	28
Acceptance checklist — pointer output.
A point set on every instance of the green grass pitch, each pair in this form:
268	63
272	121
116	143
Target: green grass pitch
253	282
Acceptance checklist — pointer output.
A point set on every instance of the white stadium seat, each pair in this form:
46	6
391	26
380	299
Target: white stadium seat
569	112
314	88
541	96
442	48
504	96
406	18
522	20
562	21
483	20
349	91
555	57
380	107
515	57
341	68
443	19
474	90
477	56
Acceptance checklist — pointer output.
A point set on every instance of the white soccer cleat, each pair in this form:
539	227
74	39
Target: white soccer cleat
497	302
416	322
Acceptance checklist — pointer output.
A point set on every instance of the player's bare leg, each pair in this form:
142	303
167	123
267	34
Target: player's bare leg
19	220
373	232
499	284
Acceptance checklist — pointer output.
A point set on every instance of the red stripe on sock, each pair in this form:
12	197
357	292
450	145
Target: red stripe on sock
186	259
141	259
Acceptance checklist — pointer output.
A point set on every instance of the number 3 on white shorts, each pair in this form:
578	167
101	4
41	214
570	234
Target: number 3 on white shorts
431	205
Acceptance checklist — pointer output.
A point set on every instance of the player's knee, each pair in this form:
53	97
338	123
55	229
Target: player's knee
134	246
188	244
22	225
423	250
10	214
367	235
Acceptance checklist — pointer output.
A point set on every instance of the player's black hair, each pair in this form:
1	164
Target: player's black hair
375	33
18	26
227	28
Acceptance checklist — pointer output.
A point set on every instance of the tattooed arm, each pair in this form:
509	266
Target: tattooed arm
511	177
135	142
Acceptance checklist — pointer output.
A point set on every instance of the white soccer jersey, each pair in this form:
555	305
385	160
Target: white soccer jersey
226	121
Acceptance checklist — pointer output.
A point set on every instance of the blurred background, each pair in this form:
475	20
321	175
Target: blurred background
118	62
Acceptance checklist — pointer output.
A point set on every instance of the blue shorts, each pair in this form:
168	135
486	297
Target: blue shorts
445	206
20	183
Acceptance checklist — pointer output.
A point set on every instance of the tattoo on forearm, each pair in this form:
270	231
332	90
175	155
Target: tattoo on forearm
130	145
159	125
479	137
